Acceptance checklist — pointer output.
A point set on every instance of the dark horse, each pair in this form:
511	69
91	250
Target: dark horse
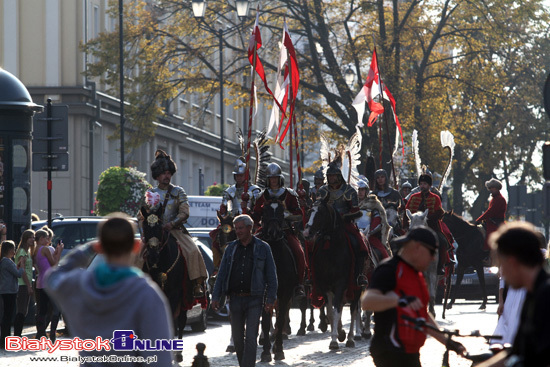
470	241
273	233
332	264
163	261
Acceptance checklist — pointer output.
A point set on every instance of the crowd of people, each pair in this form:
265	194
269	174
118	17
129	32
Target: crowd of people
246	272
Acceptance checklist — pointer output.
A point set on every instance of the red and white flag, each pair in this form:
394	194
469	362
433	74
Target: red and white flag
370	90
292	73
281	86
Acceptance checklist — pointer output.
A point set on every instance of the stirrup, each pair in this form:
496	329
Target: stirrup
299	291
198	291
362	280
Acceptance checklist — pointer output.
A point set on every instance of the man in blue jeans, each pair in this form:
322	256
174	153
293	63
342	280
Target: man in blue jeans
247	274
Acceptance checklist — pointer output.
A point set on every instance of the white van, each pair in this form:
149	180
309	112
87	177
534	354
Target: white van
202	211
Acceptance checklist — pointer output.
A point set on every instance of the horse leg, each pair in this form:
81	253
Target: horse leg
311	325
282	319
264	337
353	323
323	318
448	288
481	276
303	310
365	321
358	323
459	276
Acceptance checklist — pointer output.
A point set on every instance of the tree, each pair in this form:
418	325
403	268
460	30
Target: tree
121	189
216	189
472	67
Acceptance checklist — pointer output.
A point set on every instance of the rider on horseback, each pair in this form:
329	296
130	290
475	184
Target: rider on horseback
318	181
427	200
176	211
343	198
386	194
276	192
405	190
233	204
363	222
494	216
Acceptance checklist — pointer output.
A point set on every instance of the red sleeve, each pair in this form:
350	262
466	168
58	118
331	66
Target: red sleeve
257	211
292	204
496	209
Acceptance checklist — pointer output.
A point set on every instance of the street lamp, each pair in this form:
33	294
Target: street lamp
199	8
349	76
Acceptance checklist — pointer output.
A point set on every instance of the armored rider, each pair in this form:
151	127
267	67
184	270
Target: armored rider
343	198
318	181
387	195
370	222
275	190
363	222
176	212
405	190
233	203
232	197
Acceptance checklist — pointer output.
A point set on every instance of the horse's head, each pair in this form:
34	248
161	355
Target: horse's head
273	215
153	233
227	231
321	217
418	218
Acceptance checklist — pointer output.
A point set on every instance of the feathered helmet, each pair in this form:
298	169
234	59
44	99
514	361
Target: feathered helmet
240	166
493	182
425	176
162	163
346	158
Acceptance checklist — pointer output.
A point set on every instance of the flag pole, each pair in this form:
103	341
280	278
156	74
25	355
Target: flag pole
385	120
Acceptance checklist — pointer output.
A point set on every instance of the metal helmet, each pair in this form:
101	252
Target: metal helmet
319	175
406	185
381	172
273	170
240	167
363	184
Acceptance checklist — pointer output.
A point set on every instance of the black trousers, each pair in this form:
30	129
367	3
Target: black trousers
9	300
396	359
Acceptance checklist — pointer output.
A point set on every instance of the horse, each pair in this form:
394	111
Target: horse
164	262
470	239
273	232
333	266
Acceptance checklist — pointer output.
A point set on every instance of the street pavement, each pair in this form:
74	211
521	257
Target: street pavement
308	350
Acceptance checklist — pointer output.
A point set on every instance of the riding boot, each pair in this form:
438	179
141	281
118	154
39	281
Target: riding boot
18	324
299	291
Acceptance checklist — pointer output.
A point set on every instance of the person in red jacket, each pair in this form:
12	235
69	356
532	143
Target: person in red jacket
493	217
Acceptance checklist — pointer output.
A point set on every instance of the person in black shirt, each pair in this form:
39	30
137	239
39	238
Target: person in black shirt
518	249
247	275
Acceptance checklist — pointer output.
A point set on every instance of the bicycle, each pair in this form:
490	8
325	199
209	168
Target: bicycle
420	323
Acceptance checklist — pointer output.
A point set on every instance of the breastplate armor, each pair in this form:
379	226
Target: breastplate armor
177	197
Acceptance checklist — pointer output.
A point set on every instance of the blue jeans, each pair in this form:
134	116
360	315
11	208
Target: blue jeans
245	321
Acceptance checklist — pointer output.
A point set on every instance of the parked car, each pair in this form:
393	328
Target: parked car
470	288
202	234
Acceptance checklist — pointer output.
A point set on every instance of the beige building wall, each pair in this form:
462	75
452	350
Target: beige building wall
39	44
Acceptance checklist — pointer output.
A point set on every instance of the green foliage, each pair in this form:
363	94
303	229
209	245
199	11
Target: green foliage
121	189
216	190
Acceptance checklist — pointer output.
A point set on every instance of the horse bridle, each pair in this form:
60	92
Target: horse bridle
163	275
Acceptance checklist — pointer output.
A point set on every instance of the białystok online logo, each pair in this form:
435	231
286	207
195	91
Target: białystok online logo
123	340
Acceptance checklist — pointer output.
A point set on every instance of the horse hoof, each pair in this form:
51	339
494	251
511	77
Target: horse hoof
367	335
179	357
301	332
449	306
357	337
230	349
323	328
266	357
310	327
334	345
482	307
350	344
279	356
341	336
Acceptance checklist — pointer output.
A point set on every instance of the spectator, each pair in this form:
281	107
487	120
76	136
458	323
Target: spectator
247	272
45	257
398	289
114	295
25	292
518	250
9	273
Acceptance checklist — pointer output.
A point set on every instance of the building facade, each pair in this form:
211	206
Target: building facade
40	45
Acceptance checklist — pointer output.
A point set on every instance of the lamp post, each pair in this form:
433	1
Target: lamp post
121	79
349	76
199	8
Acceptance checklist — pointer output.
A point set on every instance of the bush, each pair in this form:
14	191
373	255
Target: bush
121	189
216	189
